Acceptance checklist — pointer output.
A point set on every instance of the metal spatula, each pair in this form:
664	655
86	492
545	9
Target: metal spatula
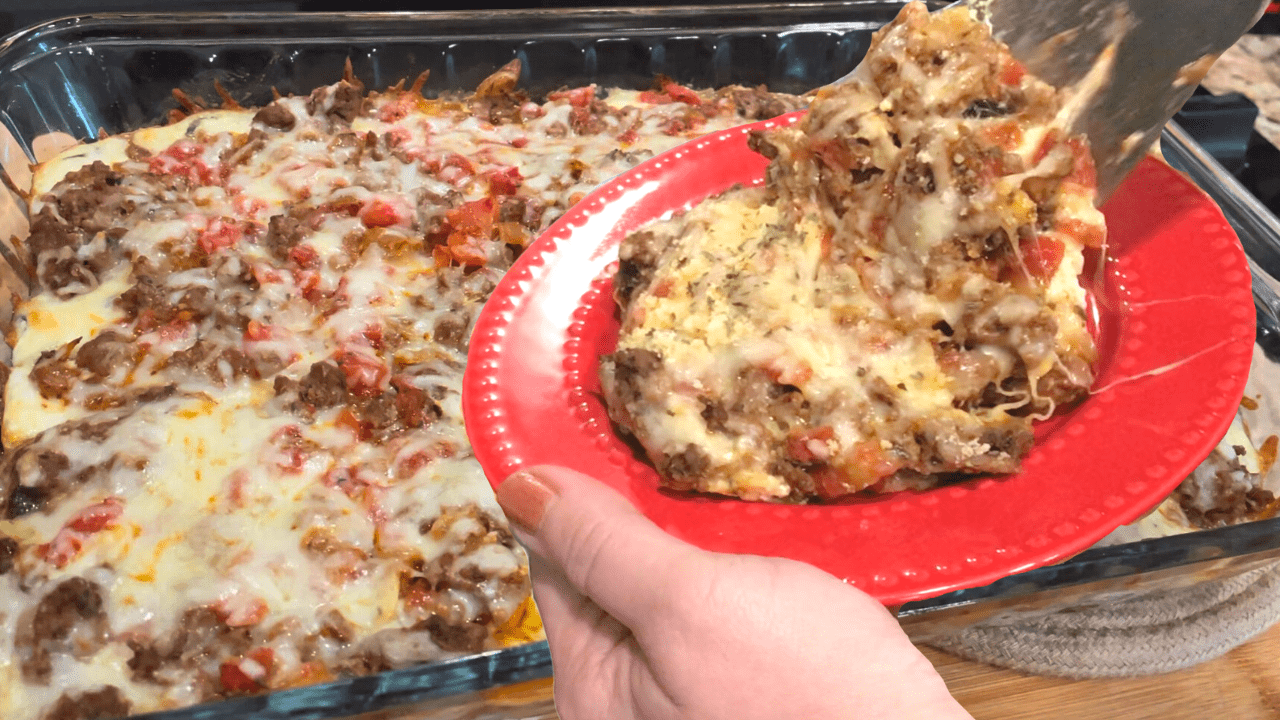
1162	49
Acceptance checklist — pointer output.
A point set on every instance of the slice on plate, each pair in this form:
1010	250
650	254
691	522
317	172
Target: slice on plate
894	306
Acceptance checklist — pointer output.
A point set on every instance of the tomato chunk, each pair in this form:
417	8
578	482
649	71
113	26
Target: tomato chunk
1083	171
1042	255
235	680
379	213
221	233
1086	234
366	375
577	97
504	182
810	445
97	516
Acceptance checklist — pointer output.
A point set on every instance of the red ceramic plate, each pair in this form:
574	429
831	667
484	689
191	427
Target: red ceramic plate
1175	333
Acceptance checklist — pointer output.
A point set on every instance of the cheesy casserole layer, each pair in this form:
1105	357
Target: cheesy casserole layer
897	303
235	456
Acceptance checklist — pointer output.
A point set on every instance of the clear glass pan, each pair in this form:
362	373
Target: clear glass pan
116	72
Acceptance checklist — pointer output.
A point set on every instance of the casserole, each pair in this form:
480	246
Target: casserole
116	72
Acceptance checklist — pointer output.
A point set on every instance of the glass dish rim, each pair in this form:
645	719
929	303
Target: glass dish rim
532	661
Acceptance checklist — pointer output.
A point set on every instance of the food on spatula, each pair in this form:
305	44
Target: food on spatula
892	308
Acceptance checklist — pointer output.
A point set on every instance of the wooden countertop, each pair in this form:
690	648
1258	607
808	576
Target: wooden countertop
1244	684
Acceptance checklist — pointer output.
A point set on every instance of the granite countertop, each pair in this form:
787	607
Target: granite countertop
1251	67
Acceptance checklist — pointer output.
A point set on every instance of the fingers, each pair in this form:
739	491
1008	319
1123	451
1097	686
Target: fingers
590	651
575	626
602	546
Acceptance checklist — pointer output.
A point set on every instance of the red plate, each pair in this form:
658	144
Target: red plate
1176	336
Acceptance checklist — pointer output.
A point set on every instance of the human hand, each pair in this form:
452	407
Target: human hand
642	625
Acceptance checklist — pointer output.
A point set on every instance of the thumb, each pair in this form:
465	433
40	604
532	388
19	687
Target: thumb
604	547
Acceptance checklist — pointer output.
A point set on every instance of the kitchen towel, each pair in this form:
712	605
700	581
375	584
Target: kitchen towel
1156	632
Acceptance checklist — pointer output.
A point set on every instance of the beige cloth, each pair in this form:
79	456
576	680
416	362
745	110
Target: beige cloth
1158	632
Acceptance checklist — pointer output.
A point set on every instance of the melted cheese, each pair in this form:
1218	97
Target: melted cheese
873	316
46	323
277	516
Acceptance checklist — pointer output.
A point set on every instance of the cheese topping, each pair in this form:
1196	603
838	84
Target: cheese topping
896	304
236	457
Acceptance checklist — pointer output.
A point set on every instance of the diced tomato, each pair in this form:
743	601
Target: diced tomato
1012	71
235	680
504	182
366	374
1046	146
464	231
345	206
396	110
185	150
830	483
683	123
185	159
238	483
173	330
347	419
1083	171
671	91
291	460
629	137
408	466
1085	233
470	251
520	142
305	256
256	331
373	335
865	466
97	516
64	547
869	464
264	656
265	274
70	539
221	233
379	213
461	162
238	611
287	433
1042	255
347	480
793	372
810	445
308	282
681	93
248	205
1007	135
577	97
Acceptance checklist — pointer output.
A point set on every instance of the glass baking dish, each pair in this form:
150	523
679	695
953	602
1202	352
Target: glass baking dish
112	73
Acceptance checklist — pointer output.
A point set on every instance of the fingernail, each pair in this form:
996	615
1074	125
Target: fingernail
524	497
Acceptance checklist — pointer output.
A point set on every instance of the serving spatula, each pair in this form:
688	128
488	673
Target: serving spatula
1146	58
